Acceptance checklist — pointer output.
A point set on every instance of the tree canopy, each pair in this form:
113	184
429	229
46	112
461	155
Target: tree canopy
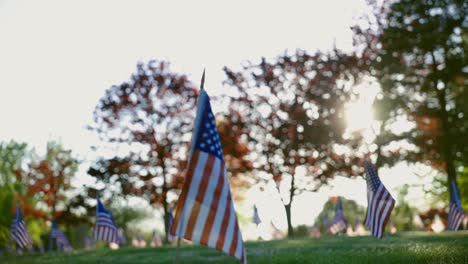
148	122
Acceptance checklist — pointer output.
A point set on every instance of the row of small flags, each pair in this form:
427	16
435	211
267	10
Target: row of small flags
205	211
105	230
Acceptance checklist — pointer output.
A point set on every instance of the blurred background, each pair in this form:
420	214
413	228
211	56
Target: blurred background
100	97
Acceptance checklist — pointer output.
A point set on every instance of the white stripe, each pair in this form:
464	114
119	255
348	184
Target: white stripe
458	217
384	215
369	205
205	207
218	220
192	194
380	205
373	205
230	231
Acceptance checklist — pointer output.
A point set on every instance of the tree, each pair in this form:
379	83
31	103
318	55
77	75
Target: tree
49	179
418	53
14	159
151	117
291	112
351	210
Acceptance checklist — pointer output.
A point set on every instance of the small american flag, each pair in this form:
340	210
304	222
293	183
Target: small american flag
105	228
19	232
339	222
60	238
256	218
380	203
326	222
205	212
456	213
171	219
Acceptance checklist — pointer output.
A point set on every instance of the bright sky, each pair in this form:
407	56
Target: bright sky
58	57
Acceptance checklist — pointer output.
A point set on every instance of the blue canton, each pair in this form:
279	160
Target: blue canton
372	178
454	196
208	137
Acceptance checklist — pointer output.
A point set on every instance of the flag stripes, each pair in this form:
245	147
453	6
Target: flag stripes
105	228
19	232
456	213
380	203
60	238
205	211
339	222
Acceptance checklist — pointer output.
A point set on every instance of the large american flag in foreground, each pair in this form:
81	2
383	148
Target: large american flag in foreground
60	238
205	212
19	232
379	203
105	228
456	213
339	222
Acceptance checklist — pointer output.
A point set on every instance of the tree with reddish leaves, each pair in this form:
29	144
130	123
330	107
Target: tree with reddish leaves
291	113
48	179
150	120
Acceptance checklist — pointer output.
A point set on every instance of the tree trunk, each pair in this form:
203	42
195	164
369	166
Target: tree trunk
164	203
287	207
446	144
166	216
51	240
447	154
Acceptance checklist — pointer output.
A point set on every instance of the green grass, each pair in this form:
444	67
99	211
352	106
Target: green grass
400	248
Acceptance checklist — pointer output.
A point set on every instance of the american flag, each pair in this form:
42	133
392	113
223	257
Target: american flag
326	222
256	218
105	228
380	203
205	212
171	219
456	213
19	232
60	238
339	222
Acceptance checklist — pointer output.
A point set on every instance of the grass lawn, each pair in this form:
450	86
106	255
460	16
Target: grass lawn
399	248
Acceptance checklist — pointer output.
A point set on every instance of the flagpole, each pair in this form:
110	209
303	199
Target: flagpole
177	255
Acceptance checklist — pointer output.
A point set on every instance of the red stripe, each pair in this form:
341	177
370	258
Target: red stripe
183	195
379	212
199	198
235	239
224	224
213	207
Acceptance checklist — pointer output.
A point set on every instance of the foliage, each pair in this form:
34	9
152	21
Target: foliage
351	211
149	119
125	215
48	179
403	213
290	110
418	52
13	158
400	248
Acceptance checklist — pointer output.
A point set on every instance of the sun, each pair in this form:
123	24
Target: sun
359	116
359	113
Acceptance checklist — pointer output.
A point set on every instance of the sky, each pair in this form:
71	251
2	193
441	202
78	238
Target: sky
58	57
